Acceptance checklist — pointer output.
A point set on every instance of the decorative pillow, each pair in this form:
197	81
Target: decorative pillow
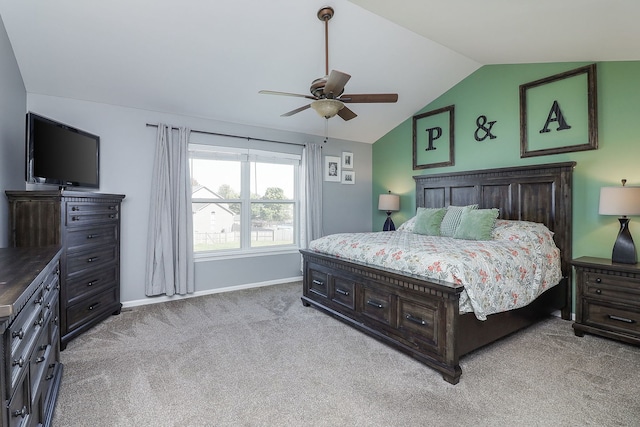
477	224
428	221
451	219
408	225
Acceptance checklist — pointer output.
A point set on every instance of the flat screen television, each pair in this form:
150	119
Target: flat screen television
61	155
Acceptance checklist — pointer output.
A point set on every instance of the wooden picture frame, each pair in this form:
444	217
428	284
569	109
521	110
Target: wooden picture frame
347	160
332	168
348	177
433	138
558	114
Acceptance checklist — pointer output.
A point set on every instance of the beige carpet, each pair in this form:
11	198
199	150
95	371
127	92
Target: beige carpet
259	358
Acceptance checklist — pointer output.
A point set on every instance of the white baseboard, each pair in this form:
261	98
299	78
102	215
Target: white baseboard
161	299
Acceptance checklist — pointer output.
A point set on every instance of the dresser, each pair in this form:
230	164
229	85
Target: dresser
87	227
30	327
607	299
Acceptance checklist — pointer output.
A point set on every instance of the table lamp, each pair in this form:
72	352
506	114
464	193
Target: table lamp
621	201
390	203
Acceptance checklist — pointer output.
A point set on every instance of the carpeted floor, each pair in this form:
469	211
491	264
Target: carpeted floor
259	358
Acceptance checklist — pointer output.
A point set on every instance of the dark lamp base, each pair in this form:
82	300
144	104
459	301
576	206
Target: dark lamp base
388	224
624	250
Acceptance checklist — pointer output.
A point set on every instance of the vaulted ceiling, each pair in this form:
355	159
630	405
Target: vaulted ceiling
210	59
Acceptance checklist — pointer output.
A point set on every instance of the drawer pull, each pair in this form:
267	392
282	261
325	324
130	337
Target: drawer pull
112	216
54	321
414	319
374	304
318	282
342	292
598	291
38	301
51	368
620	319
40	359
18	334
38	322
75	218
92	259
20	413
92	306
93	282
19	362
92	236
598	280
112	208
75	208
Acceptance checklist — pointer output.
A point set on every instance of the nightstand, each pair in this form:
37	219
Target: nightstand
607	299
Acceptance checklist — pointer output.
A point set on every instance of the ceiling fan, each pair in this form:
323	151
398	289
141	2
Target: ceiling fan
327	92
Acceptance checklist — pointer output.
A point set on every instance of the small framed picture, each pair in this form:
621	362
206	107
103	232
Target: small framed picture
347	160
332	168
348	177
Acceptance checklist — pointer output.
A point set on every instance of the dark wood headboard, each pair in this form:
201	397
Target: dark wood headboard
539	193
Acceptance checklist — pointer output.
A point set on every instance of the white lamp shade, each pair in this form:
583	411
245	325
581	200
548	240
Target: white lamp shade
389	202
619	201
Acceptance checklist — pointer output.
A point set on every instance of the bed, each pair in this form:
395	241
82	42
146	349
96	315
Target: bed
422	316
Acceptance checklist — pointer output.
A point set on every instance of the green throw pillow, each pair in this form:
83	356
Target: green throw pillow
451	219
477	224
428	221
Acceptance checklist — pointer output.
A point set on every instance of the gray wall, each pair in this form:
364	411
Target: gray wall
13	101
126	161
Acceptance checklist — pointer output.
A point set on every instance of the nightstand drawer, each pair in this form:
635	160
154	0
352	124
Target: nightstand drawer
612	317
599	285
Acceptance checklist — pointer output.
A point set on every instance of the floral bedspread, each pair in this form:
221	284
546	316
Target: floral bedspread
505	273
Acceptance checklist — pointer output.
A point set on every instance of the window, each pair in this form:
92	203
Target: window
243	200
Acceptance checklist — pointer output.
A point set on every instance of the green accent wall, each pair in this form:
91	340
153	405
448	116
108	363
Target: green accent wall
493	91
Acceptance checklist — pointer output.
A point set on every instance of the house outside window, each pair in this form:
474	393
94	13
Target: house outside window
244	200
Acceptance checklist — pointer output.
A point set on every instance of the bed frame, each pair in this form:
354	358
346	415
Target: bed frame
421	317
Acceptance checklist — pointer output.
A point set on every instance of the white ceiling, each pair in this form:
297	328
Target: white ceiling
210	58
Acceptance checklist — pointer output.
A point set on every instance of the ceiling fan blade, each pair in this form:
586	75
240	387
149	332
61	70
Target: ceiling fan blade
335	83
297	110
370	97
347	114
272	92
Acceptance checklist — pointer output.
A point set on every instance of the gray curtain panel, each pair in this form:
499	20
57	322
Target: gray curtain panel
170	268
312	208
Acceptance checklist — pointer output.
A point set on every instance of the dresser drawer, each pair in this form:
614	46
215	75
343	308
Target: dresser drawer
91	258
344	292
18	408
90	282
377	304
78	238
91	307
612	316
82	213
419	320
38	363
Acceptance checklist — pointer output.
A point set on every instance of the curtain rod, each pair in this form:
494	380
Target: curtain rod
248	138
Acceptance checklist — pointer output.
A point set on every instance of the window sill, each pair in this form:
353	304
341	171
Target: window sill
204	257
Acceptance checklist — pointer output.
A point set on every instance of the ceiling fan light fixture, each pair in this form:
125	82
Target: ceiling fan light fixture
327	108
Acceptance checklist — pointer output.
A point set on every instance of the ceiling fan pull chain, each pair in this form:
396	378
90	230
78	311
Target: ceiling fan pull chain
326	130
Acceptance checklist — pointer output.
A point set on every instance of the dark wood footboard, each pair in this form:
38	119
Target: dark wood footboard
418	317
